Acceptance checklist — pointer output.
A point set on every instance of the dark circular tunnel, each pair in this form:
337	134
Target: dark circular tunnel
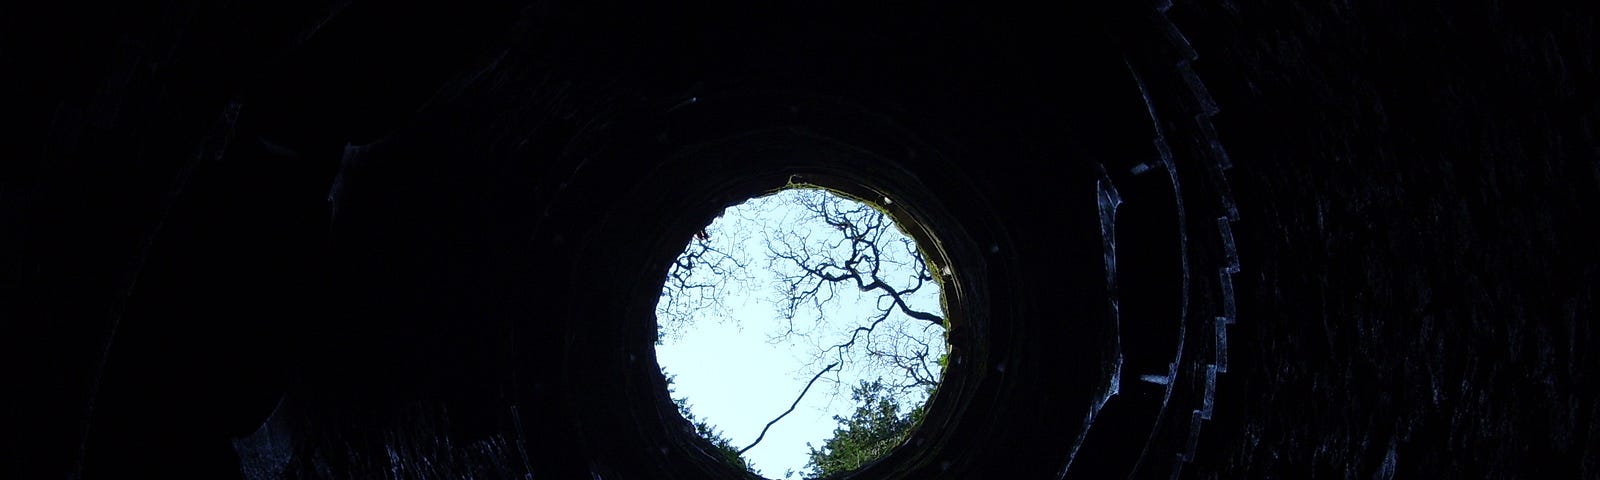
1187	240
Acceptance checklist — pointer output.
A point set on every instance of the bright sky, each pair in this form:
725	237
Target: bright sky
738	380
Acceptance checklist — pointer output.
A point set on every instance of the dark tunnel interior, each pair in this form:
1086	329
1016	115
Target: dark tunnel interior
1235	239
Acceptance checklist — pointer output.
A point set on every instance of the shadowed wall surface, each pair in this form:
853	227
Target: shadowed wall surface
1210	240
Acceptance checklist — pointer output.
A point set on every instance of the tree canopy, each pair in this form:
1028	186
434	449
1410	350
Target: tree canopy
876	427
822	253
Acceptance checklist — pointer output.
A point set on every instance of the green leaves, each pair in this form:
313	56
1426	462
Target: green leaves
876	427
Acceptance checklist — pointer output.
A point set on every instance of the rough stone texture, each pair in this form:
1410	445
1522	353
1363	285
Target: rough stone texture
399	239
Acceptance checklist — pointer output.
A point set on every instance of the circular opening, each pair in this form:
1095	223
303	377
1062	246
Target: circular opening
630	424
802	332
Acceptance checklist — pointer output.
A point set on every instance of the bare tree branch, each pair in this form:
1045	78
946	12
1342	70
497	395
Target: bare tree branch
790	410
854	252
809	273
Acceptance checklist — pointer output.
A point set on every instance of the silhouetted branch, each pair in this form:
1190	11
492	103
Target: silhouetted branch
791	407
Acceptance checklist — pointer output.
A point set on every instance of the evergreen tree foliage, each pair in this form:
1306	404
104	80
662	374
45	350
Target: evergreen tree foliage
876	427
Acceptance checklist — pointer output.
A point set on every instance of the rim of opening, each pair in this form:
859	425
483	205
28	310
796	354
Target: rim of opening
927	242
683	193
